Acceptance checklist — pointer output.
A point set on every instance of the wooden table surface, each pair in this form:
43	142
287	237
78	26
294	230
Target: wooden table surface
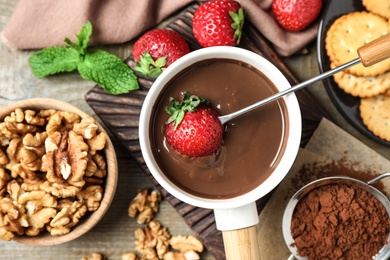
114	235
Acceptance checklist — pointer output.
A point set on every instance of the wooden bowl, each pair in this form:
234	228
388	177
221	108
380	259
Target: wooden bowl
92	218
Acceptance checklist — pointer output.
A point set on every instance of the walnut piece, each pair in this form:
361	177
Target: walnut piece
41	217
152	242
3	157
186	243
92	196
16	125
144	204
12	219
61	121
14	189
95	256
51	171
4	179
68	162
96	166
87	128
187	248
130	256
68	217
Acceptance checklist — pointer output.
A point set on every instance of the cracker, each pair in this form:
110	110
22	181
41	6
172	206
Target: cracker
387	93
351	31
375	113
328	41
362	86
379	7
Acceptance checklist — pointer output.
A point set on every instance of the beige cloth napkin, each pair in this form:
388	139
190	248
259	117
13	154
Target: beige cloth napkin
42	23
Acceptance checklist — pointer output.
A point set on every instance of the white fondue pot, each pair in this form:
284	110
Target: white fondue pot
236	217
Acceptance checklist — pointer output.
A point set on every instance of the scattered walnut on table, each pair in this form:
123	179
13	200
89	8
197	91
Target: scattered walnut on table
51	171
155	241
130	256
188	247
95	256
144	206
152	242
150	247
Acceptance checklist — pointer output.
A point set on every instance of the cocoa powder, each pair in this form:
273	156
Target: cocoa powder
339	221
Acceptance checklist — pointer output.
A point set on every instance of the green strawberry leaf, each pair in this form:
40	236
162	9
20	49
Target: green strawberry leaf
108	71
53	60
238	22
178	109
148	67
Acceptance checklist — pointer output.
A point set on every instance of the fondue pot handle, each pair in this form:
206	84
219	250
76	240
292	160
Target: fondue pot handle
238	226
375	51
241	244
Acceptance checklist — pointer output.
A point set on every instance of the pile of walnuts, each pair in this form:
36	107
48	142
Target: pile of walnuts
51	171
154	241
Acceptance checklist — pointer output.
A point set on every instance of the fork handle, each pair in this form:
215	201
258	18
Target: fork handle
375	51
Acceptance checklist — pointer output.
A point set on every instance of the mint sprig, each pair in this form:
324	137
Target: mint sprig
101	67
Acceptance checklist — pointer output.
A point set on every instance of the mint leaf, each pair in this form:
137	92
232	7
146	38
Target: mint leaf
84	35
99	66
108	71
82	39
53	60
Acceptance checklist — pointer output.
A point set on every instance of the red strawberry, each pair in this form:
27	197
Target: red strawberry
157	49
218	23
193	129
296	15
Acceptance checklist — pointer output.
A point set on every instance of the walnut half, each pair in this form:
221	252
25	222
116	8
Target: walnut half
152	242
144	206
95	256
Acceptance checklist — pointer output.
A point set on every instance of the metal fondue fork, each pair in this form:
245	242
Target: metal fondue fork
369	54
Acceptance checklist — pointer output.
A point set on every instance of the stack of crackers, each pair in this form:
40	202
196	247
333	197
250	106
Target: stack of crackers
371	84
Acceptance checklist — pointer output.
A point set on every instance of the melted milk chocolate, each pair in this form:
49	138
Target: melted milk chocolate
252	143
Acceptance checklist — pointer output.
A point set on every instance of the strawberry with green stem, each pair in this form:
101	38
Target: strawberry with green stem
193	129
218	23
157	49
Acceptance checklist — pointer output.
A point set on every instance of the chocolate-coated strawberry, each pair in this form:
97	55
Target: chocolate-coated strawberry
157	49
218	23
296	15
193	129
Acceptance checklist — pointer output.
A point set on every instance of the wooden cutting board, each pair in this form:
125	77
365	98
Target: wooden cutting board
120	114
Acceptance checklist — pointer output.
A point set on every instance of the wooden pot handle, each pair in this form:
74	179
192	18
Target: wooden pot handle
241	244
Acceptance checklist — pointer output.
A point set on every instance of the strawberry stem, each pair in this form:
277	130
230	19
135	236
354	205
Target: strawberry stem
238	22
149	67
178	109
